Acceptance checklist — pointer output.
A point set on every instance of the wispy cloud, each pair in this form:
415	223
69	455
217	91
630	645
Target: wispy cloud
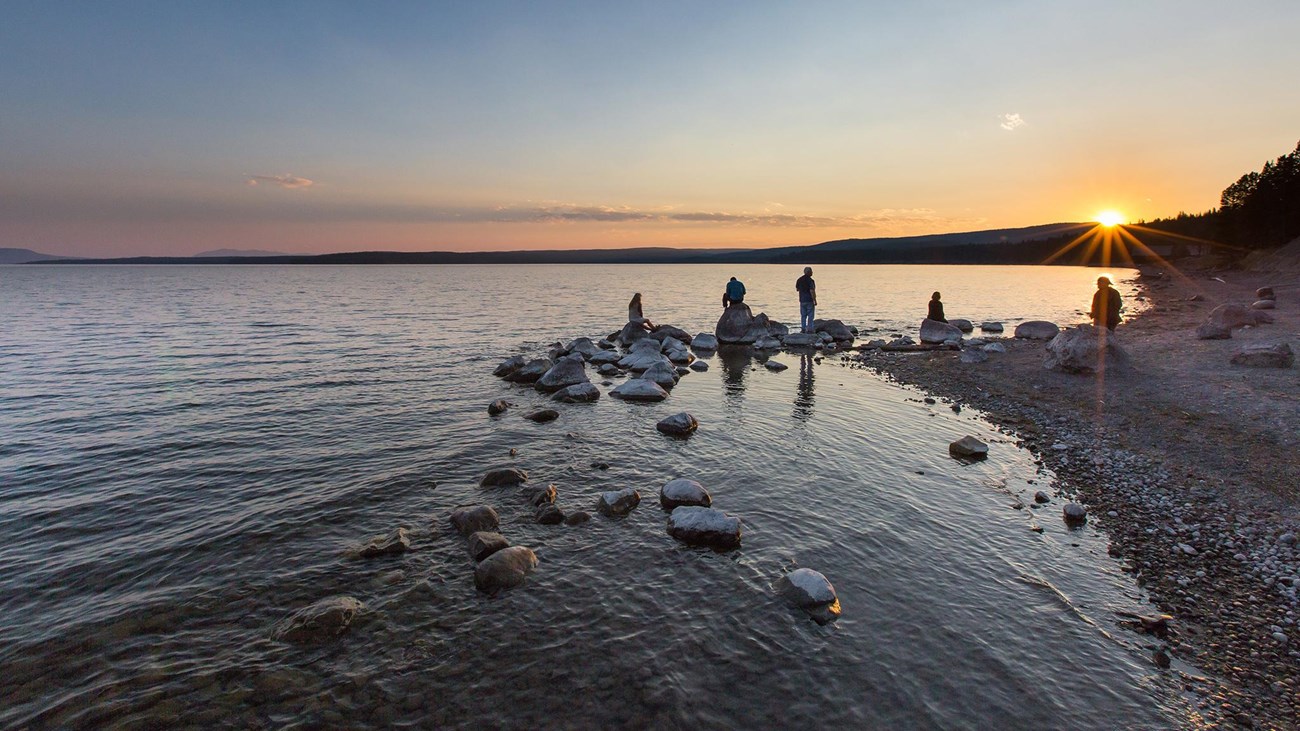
1011	122
569	213
291	182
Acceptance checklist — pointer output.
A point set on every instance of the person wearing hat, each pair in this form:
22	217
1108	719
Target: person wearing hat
1106	304
807	300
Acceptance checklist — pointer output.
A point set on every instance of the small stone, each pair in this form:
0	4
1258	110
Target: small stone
497	407
618	502
681	491
679	424
577	517
1074	513
504	569
969	447
1041	497
549	514
699	365
542	415
474	519
484	543
326	618
396	542
1160	658
538	496
504	476
774	366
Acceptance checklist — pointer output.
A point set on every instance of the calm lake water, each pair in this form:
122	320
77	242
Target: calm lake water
189	452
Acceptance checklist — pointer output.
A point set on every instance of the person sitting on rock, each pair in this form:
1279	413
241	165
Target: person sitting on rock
735	293
936	309
634	313
1106	304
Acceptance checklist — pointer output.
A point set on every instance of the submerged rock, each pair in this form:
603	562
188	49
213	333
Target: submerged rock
638	389
396	542
618	502
704	341
542	415
503	476
679	492
680	424
577	517
530	371
968	447
1264	355
509	365
578	393
994	348
484	543
328	617
504	569
812	592
775	366
539	495
567	371
474	519
704	527
549	514
935	332
1037	330
498	407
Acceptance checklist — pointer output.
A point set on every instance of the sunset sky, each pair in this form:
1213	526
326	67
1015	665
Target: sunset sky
172	128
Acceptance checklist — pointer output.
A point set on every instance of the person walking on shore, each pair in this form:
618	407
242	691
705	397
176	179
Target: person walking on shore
634	313
807	300
1106	304
735	293
936	309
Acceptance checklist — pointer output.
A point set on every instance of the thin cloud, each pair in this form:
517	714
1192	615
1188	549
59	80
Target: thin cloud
566	213
290	182
1011	122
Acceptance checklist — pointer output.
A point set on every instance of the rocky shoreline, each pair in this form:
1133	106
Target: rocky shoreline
1195	490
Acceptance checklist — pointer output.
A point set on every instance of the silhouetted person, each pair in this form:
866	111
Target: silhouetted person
634	313
936	309
1106	304
807	300
735	293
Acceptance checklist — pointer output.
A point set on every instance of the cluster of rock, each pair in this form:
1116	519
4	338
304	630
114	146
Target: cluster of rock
738	325
1226	318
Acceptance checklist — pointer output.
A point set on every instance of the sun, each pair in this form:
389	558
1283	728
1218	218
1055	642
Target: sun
1110	219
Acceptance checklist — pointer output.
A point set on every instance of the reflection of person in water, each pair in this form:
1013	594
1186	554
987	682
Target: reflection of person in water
803	396
735	364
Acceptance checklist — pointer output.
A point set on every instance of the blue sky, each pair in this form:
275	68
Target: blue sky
171	128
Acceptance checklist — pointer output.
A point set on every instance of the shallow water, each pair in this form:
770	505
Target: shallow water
190	451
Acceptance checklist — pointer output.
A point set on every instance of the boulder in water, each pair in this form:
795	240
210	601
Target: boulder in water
680	424
484	543
631	332
775	366
664	332
577	517
474	519
542	415
963	325
1084	349
699	366
935	332
991	327
530	371
812	592
802	340
549	514
704	527
1265	355
733	326
639	389
767	342
504	569
503	476
836	329
567	371
582	346
1074	513
704	341
662	373
679	492
498	407
618	502
968	447
1037	330
396	542
328	617
509	365
539	495
579	392
605	357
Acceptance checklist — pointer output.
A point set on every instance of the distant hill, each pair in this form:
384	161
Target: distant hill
240	252
24	256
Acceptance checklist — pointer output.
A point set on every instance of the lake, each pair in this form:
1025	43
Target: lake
190	452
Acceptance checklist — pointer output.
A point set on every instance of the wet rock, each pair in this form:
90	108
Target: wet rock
577	517
935	332
1263	305
1074	514
802	340
963	325
396	542
665	332
836	329
498	407
1264	355
474	519
542	415
579	393
539	495
1084	349
567	371
767	342
1037	330
608	369
704	341
1211	331
509	365
991	327
617	503
326	618
638	389
704	527
968	447
584	347
699	366
662	373
774	366
605	357
1161	659
504	569
530	371
679	492
484	543
1041	497
631	333
503	476
812	592
640	361
549	514
680	424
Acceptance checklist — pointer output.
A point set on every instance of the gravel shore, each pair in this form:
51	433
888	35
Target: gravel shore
1188	463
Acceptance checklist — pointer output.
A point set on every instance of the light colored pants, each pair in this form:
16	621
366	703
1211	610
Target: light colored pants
806	310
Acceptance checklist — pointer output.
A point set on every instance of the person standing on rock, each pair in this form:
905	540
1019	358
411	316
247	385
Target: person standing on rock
936	309
1106	304
735	293
634	313
807	300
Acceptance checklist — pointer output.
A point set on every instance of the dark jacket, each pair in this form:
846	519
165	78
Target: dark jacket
1106	304
936	311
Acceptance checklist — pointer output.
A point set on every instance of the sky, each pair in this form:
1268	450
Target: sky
139	128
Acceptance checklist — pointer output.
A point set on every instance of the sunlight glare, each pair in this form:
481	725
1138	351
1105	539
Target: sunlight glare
1110	218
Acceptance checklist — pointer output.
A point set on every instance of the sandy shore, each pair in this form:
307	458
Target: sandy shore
1189	464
